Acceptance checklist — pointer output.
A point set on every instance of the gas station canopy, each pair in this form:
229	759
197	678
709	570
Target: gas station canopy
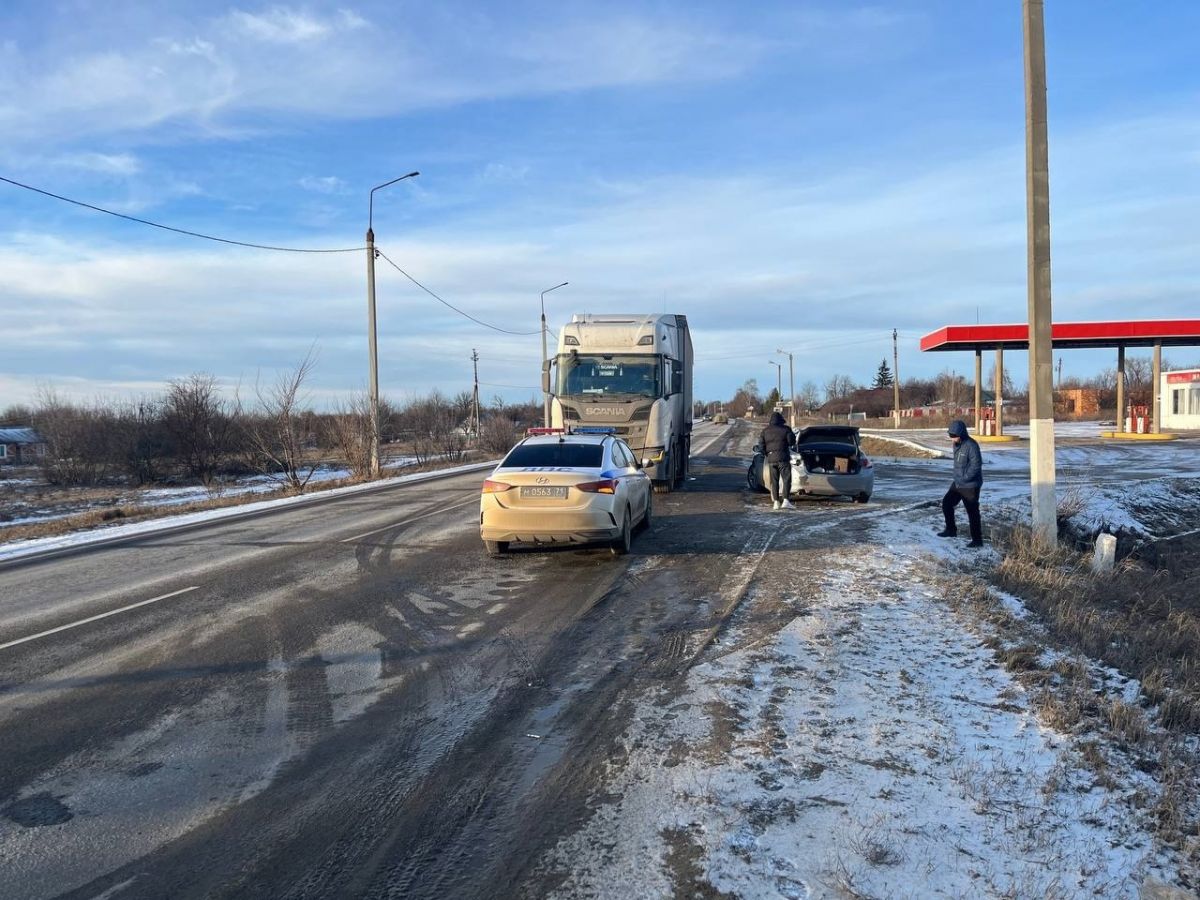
1161	332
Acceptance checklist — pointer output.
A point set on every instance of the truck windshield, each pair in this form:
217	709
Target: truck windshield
608	376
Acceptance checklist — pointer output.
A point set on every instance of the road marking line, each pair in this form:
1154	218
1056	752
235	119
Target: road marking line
359	537
113	612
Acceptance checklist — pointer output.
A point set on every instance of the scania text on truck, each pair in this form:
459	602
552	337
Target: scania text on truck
632	373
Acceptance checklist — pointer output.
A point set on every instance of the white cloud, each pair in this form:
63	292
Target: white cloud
328	184
283	25
217	74
123	164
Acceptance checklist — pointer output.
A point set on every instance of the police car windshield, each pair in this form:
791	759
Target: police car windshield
575	456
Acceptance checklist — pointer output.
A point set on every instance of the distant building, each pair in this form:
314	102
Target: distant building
1179	394
1077	402
19	446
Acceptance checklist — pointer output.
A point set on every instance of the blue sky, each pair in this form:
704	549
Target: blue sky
804	175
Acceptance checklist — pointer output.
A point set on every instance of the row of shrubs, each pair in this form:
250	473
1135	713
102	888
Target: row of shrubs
194	432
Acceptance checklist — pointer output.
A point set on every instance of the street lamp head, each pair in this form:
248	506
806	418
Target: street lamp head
371	197
545	292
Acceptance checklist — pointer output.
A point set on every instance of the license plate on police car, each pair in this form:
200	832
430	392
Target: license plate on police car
543	491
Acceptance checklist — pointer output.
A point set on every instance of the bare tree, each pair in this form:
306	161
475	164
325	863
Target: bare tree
137	441
279	431
809	397
348	429
498	434
746	397
952	388
200	424
839	387
74	437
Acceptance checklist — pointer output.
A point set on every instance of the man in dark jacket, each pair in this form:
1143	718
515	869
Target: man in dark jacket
968	479
777	442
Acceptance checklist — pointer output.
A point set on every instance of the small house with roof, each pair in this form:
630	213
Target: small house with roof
20	446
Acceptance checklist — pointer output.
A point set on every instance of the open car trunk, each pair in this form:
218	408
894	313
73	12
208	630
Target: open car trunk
830	458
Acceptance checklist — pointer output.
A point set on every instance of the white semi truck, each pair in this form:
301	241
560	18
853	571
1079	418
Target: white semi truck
633	374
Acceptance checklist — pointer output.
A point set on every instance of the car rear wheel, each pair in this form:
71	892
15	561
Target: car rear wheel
624	541
496	548
862	497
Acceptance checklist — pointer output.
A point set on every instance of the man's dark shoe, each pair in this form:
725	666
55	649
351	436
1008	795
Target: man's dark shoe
975	544
947	533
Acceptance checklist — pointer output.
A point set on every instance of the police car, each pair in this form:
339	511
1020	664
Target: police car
562	486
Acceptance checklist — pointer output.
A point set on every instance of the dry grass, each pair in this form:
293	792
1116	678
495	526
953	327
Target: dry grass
1141	622
874	445
1145	624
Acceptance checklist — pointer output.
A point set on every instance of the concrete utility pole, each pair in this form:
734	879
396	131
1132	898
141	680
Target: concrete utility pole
1037	199
373	438
792	388
896	376
474	425
545	358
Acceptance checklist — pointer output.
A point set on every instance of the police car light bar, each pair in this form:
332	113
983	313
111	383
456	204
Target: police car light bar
531	432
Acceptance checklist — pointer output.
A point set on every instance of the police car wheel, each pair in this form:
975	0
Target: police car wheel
496	548
624	542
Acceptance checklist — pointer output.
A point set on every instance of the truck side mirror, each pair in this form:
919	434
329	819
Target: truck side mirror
545	376
677	382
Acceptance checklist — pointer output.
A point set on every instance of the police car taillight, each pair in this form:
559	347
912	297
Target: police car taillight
607	486
495	487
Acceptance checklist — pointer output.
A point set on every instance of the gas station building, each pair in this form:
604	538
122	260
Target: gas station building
1176	395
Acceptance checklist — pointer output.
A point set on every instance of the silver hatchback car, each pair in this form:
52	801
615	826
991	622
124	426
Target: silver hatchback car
827	462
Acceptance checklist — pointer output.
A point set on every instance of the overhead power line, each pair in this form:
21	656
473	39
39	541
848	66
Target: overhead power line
183	231
384	256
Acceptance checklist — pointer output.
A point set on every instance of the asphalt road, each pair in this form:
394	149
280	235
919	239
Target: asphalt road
351	699
347	698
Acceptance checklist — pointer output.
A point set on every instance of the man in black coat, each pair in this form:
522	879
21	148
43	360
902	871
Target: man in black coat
968	481
777	442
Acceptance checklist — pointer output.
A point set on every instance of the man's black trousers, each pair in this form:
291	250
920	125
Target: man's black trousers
780	472
970	499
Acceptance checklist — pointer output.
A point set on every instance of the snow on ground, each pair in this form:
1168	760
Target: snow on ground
872	747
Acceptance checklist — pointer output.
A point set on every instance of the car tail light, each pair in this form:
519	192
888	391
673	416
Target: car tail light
607	486
495	487
864	463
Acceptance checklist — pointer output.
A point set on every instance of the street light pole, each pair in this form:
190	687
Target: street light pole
791	389
371	343
545	369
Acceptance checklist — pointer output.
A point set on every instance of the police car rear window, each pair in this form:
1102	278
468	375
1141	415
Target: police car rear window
582	456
